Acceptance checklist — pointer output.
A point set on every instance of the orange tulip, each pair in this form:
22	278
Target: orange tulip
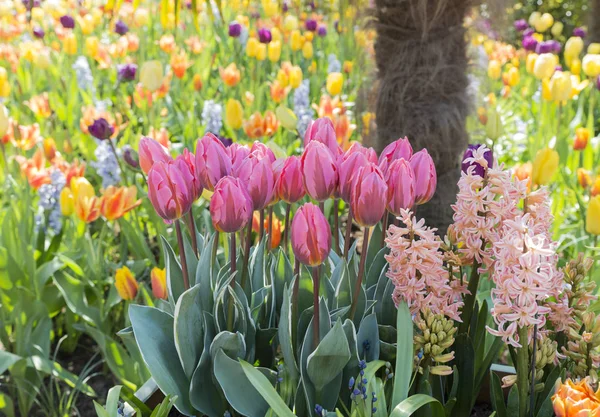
49	148
167	43
584	178
115	202
576	400
230	75
87	208
582	135
595	188
28	136
39	105
127	286
158	279
278	91
258	126
180	64
277	228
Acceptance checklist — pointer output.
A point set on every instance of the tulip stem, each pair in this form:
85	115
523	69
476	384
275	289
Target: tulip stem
522	371
114	151
384	226
288	209
295	291
192	227
348	232
316	337
261	225
246	254
232	257
361	272
270	228
336	226
215	247
184	270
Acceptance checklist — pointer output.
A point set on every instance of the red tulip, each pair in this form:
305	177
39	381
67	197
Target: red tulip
289	186
311	236
169	191
319	171
150	151
322	130
369	195
398	149
400	180
230	205
212	161
425	176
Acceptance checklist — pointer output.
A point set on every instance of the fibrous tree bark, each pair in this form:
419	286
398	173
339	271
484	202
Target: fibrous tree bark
594	23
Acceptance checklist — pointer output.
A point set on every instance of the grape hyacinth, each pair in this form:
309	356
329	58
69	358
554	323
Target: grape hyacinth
302	107
106	165
50	199
212	116
333	64
83	73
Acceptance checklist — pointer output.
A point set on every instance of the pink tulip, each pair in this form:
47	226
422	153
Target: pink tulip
237	153
263	149
368	152
349	164
425	176
289	186
151	151
230	205
186	163
369	195
322	130
311	236
400	180
256	172
212	161
169	191
398	149
319	171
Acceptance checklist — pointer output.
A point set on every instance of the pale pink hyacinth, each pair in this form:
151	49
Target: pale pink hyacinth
416	268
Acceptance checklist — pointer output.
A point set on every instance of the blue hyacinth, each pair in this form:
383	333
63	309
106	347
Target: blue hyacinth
106	165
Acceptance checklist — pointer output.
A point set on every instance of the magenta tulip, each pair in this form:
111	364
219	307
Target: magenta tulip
151	151
369	195
237	153
322	130
400	180
186	163
212	161
368	152
289	186
311	236
319	171
169	191
256	172
398	149
230	205
425	176
263	149
349	164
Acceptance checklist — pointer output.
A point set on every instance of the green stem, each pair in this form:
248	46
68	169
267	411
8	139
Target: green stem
467	311
232	258
295	291
316	336
285	230
361	272
246	254
523	371
336	226
348	233
270	229
192	227
184	270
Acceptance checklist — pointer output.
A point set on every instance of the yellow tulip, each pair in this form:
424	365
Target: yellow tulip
81	187
544	23
494	69
290	23
126	284
494	128
307	50
234	113
561	86
296	40
592	219
530	63
573	48
283	78
97	15
158	280
534	18
546	92
286	117
141	17
276	35
42	59
270	7
545	65
545	166
37	14
4	120
87	24
576	66
274	51
67	202
557	29
335	82
70	44
295	76
151	75
538	37
252	47
513	77
591	65
593	48
261	52
91	46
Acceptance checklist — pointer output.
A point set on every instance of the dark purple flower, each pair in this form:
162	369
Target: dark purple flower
529	43
121	28
598	82
479	170
310	25
521	25
131	157
322	31
544	47
67	21
285	7
579	32
528	32
235	29
101	129
264	35
225	141
38	32
126	72
555	45
558	68
337	26
312	5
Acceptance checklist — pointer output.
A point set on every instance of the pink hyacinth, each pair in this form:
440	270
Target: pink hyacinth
417	271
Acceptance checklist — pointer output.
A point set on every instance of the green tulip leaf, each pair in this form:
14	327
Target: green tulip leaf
174	274
404	355
329	358
410	405
266	390
189	333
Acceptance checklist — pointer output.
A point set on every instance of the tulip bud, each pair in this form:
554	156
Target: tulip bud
557	29
234	113
425	176
530	62
573	48
560	86
584	178
310	235
295	76
582	135
335	82
274	51
151	75
544	166
230	205
81	188
101	129
398	149
127	286
594	48
296	40
237	153
263	150
158	279
212	161
252	47
400	179
256	172
369	195
591	65
4	121
150	152
545	65
494	128
307	50
169	191
319	171
544	23
289	186
261	52
349	164
534	18
70	44
286	117
131	157
479	169
322	130
494	69
592	219
67	202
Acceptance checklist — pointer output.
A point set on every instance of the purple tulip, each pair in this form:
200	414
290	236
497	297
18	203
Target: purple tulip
131	157
579	32
38	32
67	21
235	29
521	25
312	5
226	141
529	43
310	25
322	31
555	45
528	32
126	72
121	28
558	68
101	129
285	7
479	169
264	35
545	47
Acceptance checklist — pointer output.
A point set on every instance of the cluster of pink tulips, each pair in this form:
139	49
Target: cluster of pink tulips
247	179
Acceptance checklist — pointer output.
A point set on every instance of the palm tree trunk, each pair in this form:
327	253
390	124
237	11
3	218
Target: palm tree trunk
422	72
594	23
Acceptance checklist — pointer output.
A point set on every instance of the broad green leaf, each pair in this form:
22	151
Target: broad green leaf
329	358
174	274
189	333
407	407
112	399
496	395
6	360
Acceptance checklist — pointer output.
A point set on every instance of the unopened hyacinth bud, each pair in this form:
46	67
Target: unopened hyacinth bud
398	149
264	35
67	22
169	191
121	28
319	171
425	176
212	161
479	169
235	29
131	157
150	151
436	334
101	129
230	205
289	186
545	353
369	195
311	235
400	179
126	72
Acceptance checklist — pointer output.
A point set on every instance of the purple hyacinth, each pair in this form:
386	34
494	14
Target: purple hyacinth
521	25
235	29
529	43
121	28
101	129
264	35
310	25
579	32
528	32
67	21
479	170
126	72
38	32
322	31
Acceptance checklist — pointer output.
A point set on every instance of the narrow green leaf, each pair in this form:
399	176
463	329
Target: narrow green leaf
407	407
266	390
404	355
